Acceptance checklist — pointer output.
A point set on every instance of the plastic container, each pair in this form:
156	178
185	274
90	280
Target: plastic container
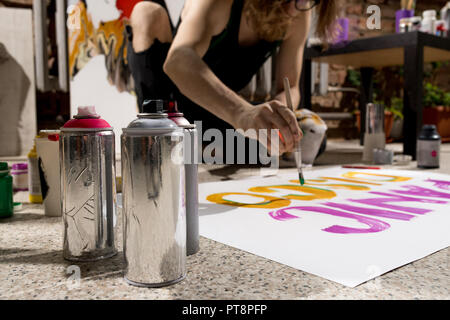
6	191
19	172
47	147
410	24
441	30
429	22
428	147
401	14
445	15
402	159
34	181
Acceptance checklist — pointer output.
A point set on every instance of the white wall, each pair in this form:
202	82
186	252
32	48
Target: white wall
18	124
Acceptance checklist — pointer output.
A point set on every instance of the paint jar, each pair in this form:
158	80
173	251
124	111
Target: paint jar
314	132
342	28
428	147
383	156
47	147
445	15
6	191
19	172
402	159
87	156
404	25
374	137
34	180
429	22
410	24
401	14
191	175
154	222
441	31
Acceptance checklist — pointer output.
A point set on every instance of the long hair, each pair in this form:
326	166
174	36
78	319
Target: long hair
271	21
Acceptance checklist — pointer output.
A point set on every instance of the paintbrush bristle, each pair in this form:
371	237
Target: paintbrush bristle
301	178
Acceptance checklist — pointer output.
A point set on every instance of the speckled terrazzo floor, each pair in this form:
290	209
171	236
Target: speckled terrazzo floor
32	267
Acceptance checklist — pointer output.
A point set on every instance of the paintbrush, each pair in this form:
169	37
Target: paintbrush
298	151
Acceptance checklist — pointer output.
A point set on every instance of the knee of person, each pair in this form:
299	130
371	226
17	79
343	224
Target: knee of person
146	16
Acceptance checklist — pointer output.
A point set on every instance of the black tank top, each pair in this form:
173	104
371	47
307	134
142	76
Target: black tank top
232	64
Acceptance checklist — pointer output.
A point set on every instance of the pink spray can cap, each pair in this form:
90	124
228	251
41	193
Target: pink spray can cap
87	118
175	115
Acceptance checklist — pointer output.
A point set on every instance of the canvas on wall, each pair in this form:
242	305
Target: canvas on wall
345	226
98	65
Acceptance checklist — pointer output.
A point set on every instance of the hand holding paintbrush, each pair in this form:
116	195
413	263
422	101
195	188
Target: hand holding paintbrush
297	152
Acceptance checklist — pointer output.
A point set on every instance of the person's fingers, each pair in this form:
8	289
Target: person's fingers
270	138
289	118
268	114
263	137
279	123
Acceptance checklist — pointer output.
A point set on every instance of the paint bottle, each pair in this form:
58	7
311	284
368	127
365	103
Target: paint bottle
428	147
34	181
154	222
445	15
47	147
6	191
191	175
429	22
19	172
87	157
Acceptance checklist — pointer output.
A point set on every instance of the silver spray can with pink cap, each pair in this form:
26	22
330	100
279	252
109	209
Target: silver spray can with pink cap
191	172
87	158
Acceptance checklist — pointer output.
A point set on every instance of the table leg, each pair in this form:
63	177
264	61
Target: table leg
412	102
305	85
365	97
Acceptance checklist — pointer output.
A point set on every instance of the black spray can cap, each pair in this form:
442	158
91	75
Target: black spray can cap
429	132
153	106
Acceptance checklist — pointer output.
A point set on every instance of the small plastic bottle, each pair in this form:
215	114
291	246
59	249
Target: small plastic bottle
428	147
34	181
429	22
19	172
6	191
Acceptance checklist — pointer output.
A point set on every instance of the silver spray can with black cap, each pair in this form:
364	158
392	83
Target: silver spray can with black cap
154	223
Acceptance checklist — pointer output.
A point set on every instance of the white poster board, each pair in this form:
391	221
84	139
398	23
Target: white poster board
345	225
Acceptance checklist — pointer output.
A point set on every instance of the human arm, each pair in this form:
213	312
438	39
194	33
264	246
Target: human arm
184	65
290	57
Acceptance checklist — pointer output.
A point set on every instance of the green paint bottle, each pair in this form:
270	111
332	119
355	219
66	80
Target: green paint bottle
6	191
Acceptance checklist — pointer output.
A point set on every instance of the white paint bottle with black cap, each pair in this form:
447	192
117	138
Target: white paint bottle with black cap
428	147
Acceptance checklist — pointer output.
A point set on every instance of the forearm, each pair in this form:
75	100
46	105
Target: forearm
295	96
197	82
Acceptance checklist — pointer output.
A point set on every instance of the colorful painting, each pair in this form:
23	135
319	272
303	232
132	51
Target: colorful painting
91	34
99	73
98	65
344	225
